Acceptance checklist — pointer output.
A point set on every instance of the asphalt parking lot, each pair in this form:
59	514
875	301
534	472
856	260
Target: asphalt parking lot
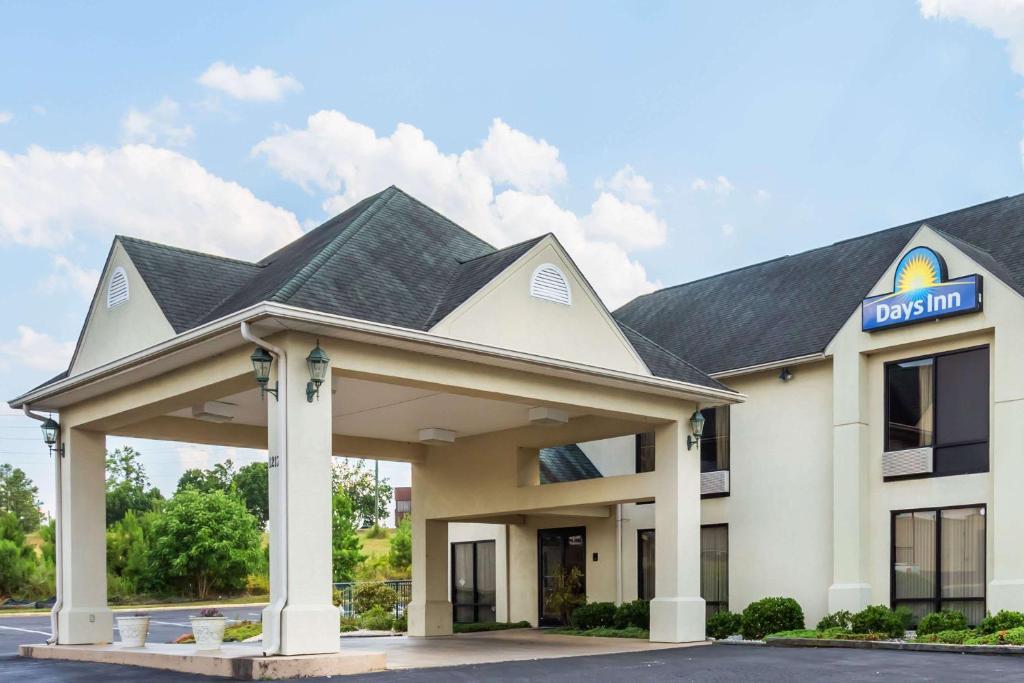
714	663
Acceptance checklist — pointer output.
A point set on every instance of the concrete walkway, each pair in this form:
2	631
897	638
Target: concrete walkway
497	646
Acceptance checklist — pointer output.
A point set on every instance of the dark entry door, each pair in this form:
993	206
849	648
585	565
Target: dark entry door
559	550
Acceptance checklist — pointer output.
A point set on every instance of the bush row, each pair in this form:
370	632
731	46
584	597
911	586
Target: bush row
1002	628
636	614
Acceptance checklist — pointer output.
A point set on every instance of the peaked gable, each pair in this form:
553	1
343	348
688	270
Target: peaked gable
505	313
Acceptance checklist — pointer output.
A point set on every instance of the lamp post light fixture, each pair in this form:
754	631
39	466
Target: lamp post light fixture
261	361
697	427
318	363
50	429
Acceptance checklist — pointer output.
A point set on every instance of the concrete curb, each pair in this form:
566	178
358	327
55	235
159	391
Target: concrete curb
886	645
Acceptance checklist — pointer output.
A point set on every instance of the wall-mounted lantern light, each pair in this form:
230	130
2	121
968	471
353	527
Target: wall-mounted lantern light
697	427
785	375
261	361
318	363
50	430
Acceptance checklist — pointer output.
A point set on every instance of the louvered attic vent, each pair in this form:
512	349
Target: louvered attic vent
117	288
549	283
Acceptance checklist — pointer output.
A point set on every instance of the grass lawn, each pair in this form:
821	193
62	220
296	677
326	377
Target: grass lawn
631	632
376	546
169	603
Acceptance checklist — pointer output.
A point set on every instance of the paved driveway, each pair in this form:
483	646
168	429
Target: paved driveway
715	663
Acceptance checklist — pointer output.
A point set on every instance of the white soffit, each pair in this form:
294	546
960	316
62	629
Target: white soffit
548	416
436	436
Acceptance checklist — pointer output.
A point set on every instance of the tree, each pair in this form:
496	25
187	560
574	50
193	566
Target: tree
128	487
217	478
128	546
251	484
400	550
20	497
204	542
369	498
345	544
18	563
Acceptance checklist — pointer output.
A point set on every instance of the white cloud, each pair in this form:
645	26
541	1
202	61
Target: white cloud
762	195
720	186
347	161
728	230
68	276
1004	18
699	185
155	126
257	84
36	350
5	117
49	198
629	185
630	225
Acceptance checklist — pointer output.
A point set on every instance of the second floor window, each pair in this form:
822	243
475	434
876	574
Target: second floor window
940	402
645	452
714	442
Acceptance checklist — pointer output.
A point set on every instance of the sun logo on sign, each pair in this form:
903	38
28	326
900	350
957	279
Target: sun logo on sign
917	272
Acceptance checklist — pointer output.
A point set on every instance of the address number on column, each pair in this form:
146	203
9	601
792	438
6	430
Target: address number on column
275	460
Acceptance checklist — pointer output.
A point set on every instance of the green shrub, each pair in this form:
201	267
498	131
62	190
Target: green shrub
771	615
347	624
636	614
594	615
1014	636
905	615
489	626
628	632
366	596
376	619
799	633
401	624
946	620
721	625
840	619
1004	620
958	637
877	619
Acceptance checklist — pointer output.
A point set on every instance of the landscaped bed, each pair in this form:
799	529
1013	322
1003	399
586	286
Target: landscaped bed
488	626
602	632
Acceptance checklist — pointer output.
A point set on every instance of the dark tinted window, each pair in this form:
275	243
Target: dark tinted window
645	452
714	441
910	391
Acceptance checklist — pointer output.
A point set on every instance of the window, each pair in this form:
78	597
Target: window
938	561
473	582
548	282
940	402
645	564
117	288
714	567
645	452
714	441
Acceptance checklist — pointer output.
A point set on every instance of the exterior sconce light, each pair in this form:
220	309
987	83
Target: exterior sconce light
785	375
318	363
697	427
261	361
50	427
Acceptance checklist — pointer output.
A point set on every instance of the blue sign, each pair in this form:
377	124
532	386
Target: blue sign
921	292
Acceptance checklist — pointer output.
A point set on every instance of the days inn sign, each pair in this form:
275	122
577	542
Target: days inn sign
921	292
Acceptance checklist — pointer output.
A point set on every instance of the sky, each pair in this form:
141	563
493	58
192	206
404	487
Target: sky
660	141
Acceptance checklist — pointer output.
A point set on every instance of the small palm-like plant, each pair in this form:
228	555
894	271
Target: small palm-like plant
566	593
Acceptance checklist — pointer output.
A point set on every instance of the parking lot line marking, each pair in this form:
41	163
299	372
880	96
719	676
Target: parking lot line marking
25	630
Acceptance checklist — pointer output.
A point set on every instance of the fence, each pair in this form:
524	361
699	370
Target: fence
347	588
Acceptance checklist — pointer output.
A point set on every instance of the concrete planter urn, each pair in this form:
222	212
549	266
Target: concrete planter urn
133	630
208	629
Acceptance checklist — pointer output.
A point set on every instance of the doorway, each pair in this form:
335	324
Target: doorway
558	551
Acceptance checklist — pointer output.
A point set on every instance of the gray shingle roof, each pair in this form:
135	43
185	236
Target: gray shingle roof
565	463
794	305
389	259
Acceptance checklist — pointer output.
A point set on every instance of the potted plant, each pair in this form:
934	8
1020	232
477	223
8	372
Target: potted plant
208	629
133	629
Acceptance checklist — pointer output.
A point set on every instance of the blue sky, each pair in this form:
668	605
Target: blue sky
661	141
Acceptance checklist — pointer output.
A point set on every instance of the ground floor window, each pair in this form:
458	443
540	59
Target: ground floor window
938	561
714	567
645	564
473	582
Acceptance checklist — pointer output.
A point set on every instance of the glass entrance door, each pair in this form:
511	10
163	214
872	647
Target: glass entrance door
559	551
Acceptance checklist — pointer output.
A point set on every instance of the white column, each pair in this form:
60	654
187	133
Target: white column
430	612
84	617
309	623
677	610
850	589
1006	589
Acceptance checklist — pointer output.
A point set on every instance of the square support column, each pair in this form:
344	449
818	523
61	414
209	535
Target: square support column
84	617
850	589
430	612
309	623
677	610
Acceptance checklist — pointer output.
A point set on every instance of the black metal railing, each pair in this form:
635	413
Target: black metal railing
346	589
